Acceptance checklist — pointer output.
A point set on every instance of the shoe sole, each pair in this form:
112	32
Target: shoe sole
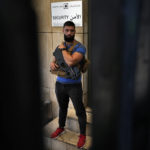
58	135
81	147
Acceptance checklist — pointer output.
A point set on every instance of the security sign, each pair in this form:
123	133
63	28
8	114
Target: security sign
64	11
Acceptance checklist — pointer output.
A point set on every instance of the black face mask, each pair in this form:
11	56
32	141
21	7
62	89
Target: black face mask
68	39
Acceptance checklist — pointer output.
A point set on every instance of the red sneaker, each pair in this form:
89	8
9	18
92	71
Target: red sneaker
57	132
81	141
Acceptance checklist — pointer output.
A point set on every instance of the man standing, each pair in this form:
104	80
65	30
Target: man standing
67	87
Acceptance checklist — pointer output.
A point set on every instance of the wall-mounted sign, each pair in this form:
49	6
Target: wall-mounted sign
64	11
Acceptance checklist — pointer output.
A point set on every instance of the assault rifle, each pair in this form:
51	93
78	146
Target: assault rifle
71	72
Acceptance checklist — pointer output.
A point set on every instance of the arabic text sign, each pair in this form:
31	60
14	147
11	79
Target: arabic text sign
64	11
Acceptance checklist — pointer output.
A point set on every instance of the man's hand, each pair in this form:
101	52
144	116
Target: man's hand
61	45
53	66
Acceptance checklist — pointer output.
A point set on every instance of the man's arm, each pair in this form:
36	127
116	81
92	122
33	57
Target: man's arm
73	59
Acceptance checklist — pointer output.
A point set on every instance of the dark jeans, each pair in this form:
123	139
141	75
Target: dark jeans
74	91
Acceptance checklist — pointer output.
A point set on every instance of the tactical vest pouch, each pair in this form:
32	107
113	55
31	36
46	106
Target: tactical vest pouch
58	73
84	65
